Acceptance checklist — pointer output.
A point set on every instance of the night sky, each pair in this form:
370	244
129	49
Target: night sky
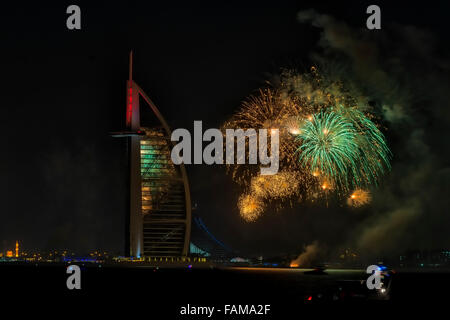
63	91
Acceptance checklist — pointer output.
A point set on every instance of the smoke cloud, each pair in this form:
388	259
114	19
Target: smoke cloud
307	258
404	74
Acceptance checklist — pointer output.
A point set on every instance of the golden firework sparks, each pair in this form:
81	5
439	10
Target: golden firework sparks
359	198
281	185
250	207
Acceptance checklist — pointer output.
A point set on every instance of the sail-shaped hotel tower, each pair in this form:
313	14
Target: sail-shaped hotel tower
159	214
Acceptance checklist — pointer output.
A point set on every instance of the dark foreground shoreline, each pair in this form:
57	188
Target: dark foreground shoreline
169	289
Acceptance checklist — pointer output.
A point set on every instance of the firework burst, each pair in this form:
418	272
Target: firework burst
328	143
250	207
345	146
270	110
278	186
373	149
267	110
359	198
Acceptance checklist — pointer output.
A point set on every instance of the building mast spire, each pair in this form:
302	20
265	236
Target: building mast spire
131	67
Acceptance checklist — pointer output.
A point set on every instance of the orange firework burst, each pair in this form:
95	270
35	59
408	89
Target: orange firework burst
281	185
269	109
359	198
250	207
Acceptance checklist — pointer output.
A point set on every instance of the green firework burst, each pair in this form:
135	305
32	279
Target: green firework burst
374	154
345	146
329	145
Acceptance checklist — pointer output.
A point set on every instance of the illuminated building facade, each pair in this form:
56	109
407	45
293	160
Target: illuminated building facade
160	204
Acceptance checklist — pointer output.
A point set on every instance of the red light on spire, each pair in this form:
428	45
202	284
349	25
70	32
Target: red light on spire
130	92
130	106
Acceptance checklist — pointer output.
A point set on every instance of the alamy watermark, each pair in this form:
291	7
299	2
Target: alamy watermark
213	153
374	280
74	280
